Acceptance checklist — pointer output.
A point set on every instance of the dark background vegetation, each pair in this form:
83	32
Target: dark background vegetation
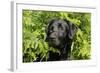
34	26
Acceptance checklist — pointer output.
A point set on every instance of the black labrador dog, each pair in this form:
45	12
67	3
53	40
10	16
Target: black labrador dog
60	33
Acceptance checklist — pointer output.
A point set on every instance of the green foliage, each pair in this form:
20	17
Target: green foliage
34	24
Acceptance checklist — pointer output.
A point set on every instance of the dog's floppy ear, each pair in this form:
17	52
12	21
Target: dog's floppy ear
72	29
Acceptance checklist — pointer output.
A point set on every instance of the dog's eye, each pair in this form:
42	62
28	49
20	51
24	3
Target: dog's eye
59	25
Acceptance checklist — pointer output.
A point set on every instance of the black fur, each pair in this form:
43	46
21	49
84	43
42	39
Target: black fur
60	33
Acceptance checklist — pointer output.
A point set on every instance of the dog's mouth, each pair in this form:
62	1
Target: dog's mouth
53	42
52	39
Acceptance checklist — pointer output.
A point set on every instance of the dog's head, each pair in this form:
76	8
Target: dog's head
59	32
